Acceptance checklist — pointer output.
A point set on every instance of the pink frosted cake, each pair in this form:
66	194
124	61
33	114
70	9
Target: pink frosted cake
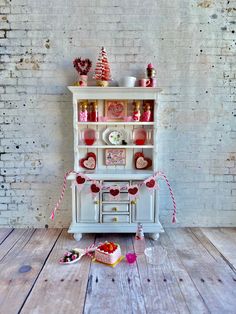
108	253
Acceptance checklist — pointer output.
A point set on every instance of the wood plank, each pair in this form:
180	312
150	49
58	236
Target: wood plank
4	232
115	290
215	282
168	287
224	239
19	271
14	241
65	284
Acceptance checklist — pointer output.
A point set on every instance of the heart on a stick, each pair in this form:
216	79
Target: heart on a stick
89	162
142	162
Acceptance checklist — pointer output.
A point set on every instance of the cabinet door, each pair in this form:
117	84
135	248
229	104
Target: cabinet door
87	207
143	210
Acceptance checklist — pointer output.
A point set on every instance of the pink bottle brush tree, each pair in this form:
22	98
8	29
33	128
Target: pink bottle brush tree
102	71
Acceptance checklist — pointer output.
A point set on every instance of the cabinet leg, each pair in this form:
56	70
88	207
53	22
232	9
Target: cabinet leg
78	236
154	236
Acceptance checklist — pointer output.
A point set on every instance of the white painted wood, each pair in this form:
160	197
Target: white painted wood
104	215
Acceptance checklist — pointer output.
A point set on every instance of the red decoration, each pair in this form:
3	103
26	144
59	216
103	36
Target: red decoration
133	191
102	70
142	162
82	66
114	192
80	180
151	183
95	188
89	162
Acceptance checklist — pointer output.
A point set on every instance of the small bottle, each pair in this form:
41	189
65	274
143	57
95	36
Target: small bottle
83	115
139	240
151	72
146	115
136	112
94	112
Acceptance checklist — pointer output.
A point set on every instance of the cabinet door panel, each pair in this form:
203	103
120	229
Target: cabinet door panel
143	210
87	207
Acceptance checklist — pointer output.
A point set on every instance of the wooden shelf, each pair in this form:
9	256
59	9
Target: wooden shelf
115	146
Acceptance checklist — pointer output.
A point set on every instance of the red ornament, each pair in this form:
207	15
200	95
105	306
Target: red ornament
133	191
89	162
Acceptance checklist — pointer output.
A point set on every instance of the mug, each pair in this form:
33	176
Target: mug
145	82
127	81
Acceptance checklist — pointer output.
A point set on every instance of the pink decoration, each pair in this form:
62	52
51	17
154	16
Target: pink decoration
151	183
131	258
102	70
145	82
95	188
80	181
83	116
142	162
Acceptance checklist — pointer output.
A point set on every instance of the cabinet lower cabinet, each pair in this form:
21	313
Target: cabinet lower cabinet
101	215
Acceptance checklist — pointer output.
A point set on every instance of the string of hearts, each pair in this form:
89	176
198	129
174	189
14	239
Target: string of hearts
114	190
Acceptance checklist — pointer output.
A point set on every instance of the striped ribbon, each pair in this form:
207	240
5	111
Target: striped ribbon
62	194
161	174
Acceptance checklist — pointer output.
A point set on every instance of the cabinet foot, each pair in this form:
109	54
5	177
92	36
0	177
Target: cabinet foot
78	236
154	236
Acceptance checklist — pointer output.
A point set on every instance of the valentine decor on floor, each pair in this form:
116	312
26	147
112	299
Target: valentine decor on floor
141	162
102	70
81	179
74	255
89	162
139	240
82	66
131	258
108	253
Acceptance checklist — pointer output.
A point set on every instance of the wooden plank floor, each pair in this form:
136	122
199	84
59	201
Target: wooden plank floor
199	275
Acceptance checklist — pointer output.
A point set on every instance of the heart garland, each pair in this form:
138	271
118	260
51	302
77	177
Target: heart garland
95	188
82	66
151	184
80	181
114	192
133	191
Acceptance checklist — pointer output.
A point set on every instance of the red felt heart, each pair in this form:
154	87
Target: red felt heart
114	192
142	162
89	162
133	191
80	180
151	183
95	188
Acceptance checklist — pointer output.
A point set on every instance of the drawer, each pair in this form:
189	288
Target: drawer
115	218
123	196
115	207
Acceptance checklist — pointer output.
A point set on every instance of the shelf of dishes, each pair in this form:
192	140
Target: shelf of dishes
116	137
116	123
116	146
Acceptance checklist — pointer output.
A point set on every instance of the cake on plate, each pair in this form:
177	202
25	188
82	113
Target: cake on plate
108	253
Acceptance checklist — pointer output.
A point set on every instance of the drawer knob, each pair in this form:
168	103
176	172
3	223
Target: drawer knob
115	209
133	202
115	219
96	202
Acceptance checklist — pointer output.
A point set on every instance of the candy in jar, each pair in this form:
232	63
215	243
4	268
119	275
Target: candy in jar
94	112
83	115
136	111
146	115
151	72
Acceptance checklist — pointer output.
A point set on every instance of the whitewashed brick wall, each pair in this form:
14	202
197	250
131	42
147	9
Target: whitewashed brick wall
192	43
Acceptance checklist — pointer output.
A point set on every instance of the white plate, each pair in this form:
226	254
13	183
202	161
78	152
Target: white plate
114	136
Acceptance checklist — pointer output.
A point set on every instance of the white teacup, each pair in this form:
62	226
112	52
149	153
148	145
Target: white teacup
127	81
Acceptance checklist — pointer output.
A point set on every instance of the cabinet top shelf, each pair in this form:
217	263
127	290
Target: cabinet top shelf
93	92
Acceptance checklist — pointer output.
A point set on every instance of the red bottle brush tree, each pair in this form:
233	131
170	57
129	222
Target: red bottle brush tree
102	71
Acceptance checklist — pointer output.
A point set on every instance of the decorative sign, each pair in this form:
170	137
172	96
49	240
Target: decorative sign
115	110
115	157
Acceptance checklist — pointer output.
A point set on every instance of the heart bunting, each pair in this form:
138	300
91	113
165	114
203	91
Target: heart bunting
80	181
95	188
133	191
114	192
151	184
